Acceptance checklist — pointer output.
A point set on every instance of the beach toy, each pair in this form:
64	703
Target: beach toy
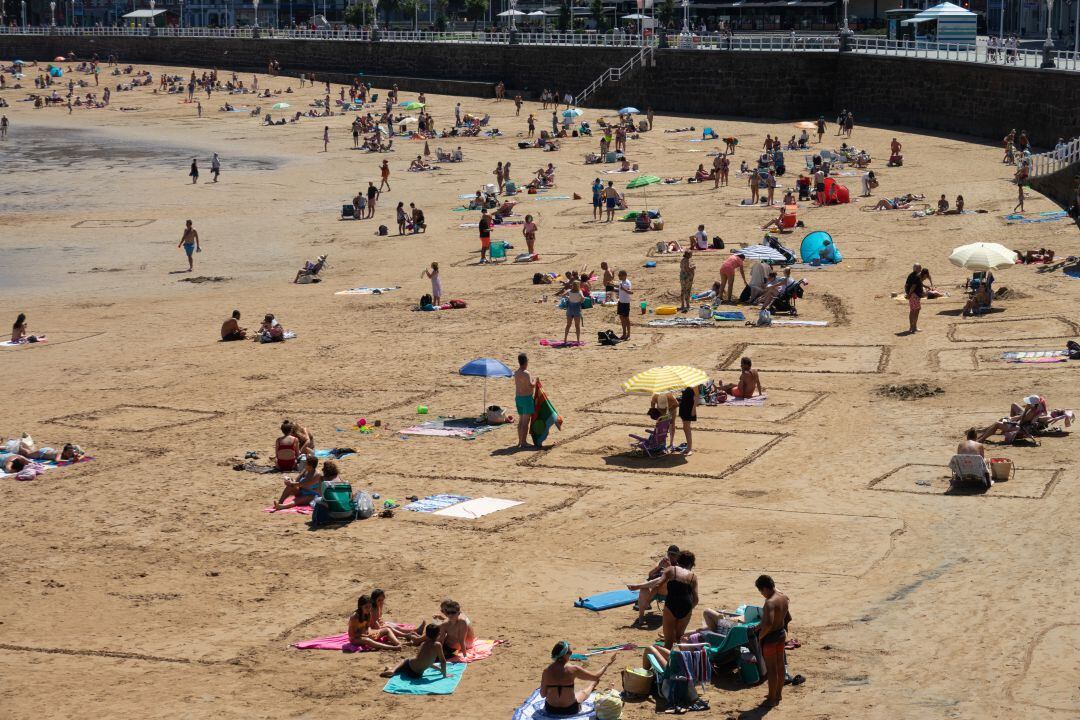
650	264
643	306
666	310
421	409
361	422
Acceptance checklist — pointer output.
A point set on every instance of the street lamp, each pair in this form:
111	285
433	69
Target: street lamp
52	11
1048	44
24	14
181	13
255	4
845	31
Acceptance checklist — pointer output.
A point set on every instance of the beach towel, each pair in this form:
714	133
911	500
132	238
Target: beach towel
432	682
1016	355
467	428
41	466
607	600
756	401
477	507
480	650
1039	361
682	322
801	323
561	344
555	197
1048	216
544	417
330	642
533	709
728	315
621	172
335	453
431	503
8	343
296	510
367	290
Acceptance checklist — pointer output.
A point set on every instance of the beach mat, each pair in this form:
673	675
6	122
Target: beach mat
433	503
8	343
560	344
367	290
1015	355
466	428
330	642
555	197
607	600
1048	216
800	323
296	510
728	315
682	322
432	682
477	507
533	709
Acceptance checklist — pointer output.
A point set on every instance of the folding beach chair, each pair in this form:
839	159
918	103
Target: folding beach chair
498	251
969	470
656	442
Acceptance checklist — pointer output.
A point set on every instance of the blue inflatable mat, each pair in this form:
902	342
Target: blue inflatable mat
608	600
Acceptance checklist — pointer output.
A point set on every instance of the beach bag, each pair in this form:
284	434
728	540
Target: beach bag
337	500
457	304
744	296
609	705
637	682
495	415
717	243
365	508
383	230
347	211
764	318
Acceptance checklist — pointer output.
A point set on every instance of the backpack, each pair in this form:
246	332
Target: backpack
1073	348
538	278
717	243
425	300
365	508
383	230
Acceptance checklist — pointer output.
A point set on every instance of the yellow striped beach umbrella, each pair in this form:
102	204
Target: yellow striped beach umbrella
663	379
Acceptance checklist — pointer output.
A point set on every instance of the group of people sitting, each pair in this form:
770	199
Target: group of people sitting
270	330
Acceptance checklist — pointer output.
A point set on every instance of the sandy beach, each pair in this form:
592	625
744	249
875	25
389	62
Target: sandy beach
150	583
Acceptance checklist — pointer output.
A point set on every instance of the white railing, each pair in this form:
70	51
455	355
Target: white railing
744	42
1051	161
613	74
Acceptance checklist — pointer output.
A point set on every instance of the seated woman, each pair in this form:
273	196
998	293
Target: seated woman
418	165
507	208
271	330
304	489
642	221
310	272
624	165
779	221
364	637
287	448
1019	415
980	300
700	175
557	682
929	291
399	631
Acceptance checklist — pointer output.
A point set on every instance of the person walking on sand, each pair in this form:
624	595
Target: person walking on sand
524	386
772	635
913	291
575	300
498	173
626	294
194	172
3	127
190	242
198	108
436	283
215	166
1019	197
372	197
326	138
384	172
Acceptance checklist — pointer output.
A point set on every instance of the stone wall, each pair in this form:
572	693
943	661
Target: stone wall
975	100
1061	187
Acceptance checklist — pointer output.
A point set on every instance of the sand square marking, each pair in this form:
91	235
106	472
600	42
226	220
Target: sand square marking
857	264
545	259
772	540
717	453
923	479
809	358
342	401
1054	653
983	330
134	223
783	405
135	418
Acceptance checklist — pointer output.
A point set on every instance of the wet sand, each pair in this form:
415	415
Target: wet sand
149	583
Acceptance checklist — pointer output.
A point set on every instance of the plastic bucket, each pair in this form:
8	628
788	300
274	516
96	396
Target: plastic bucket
1001	469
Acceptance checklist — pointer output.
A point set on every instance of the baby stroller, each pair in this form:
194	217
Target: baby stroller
785	301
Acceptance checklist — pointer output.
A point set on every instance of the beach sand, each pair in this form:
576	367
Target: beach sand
149	583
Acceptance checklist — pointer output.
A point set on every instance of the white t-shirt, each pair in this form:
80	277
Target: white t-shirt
701	240
624	291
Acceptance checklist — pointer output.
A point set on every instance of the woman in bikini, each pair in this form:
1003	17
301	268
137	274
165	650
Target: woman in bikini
304	489
378	599
557	682
682	596
362	636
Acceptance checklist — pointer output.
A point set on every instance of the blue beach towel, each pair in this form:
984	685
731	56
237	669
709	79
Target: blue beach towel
607	600
432	683
728	315
435	502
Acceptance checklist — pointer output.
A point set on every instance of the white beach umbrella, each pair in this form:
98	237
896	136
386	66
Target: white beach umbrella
983	256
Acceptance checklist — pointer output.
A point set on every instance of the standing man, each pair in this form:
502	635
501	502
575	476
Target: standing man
532	125
485	235
457	115
913	291
385	173
772	635
524	386
3	127
215	166
372	197
649	115
626	293
190	241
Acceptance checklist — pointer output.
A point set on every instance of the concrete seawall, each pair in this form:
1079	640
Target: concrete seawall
975	100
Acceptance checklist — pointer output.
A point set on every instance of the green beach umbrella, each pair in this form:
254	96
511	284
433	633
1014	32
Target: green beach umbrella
640	182
280	106
413	105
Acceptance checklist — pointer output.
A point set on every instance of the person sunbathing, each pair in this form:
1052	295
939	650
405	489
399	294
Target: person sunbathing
68	453
558	679
14	464
456	631
231	330
310	272
430	652
418	165
304	489
700	175
749	382
362	636
1019	415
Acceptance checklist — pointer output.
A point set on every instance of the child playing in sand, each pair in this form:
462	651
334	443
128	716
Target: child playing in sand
431	650
436	283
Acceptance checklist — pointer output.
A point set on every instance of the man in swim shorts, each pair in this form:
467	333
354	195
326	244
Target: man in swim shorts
913	290
772	635
190	241
749	382
524	385
231	330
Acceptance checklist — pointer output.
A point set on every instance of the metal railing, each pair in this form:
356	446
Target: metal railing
764	42
1050	162
613	74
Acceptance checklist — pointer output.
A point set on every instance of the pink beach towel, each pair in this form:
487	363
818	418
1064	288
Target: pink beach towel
330	642
297	510
481	650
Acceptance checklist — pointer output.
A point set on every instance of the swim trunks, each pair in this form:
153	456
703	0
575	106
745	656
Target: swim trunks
914	302
189	248
568	711
623	309
736	392
525	404
408	672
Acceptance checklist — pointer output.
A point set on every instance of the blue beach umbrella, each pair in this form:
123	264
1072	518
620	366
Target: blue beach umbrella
485	368
629	110
572	113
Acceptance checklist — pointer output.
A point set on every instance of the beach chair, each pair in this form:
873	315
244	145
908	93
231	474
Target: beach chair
675	684
655	444
497	251
969	470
